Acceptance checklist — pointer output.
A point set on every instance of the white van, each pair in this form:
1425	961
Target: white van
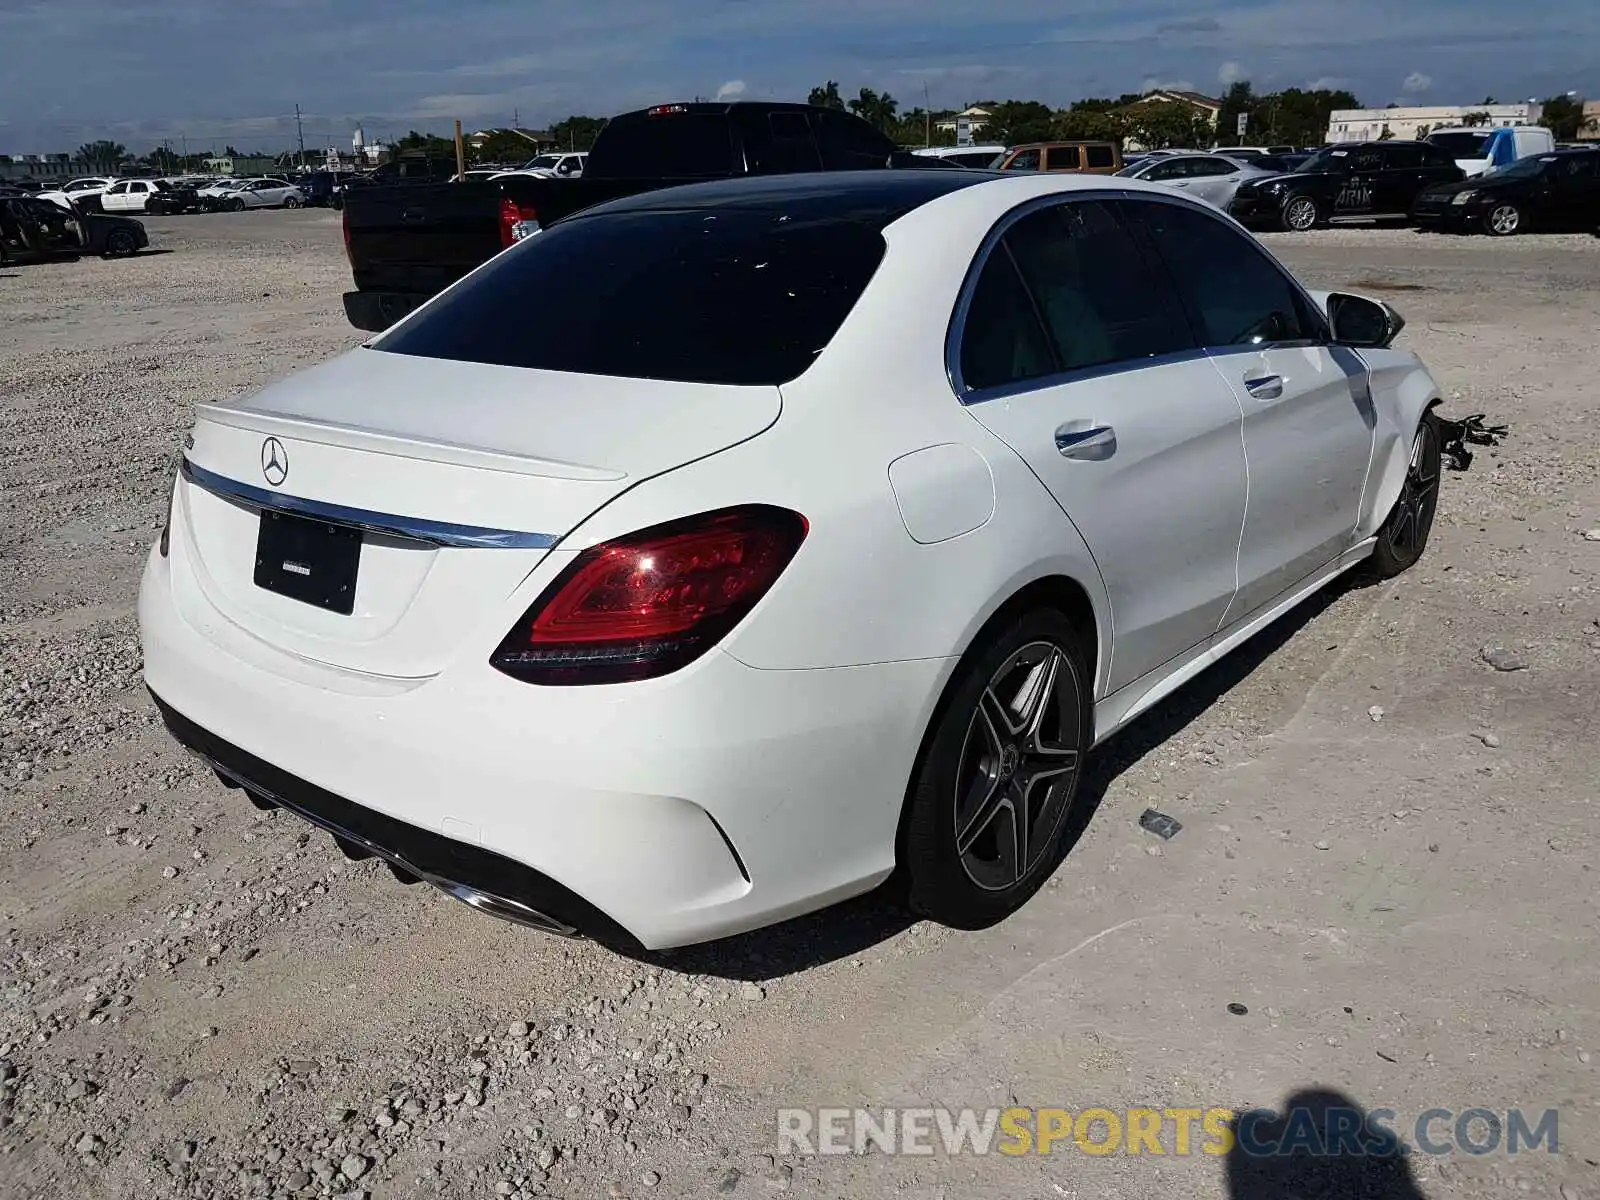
1479	150
978	158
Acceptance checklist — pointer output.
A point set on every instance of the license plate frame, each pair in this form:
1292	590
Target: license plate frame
307	560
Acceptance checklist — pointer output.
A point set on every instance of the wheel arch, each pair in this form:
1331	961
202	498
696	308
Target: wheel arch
1404	395
1058	592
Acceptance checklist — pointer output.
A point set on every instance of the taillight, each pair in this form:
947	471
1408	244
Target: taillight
653	601
517	221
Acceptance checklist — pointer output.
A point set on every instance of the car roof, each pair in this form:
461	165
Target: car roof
881	193
1063	142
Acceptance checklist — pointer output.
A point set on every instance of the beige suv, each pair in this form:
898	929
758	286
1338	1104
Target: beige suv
1087	158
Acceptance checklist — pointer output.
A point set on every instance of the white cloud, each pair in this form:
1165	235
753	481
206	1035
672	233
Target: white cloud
1152	84
731	90
1230	73
1417	82
1327	83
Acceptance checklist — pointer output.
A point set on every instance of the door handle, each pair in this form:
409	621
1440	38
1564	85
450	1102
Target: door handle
1091	443
1264	387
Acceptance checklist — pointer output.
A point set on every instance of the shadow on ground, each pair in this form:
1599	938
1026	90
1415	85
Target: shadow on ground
1322	1144
849	928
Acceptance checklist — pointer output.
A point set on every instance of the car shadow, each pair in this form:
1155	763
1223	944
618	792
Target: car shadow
1322	1143
848	928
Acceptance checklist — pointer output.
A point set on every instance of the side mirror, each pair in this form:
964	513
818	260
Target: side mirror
1363	323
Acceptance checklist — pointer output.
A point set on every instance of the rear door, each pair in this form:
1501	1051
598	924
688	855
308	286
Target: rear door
1356	188
1211	177
1070	352
1062	158
1402	178
1575	191
1308	412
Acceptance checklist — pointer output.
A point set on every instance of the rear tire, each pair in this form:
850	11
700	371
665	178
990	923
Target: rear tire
1404	535
999	774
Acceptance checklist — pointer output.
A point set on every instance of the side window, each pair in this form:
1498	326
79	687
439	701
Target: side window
117	189
1024	160
1403	156
850	144
1061	158
1099	157
1171	168
1370	159
778	143
1092	286
1213	166
1235	294
1581	166
1001	340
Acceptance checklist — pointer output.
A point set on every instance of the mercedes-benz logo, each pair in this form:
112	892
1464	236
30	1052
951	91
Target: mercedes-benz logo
1009	757
274	461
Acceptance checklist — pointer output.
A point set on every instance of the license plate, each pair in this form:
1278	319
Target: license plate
309	561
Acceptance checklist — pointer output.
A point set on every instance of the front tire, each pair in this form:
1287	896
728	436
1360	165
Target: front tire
120	244
999	774
1404	534
1301	213
1503	220
291	202
236	205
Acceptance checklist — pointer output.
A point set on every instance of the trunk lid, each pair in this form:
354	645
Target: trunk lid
461	476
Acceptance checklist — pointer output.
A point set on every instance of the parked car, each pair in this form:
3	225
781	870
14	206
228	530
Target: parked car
32	228
131	195
81	194
1362	179
174	198
262	193
1477	151
406	244
777	533
1088	158
1560	190
976	158
1251	151
563	166
1211	177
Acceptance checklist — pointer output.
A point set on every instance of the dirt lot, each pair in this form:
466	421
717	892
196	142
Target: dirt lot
1387	854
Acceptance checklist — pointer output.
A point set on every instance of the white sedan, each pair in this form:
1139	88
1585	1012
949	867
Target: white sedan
1212	177
262	193
85	193
794	529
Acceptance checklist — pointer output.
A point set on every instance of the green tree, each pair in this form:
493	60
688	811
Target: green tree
826	96
1239	98
876	109
1387	135
503	146
576	133
103	156
1423	131
423	143
1490	100
1473	119
1165	124
166	161
1563	116
1012	122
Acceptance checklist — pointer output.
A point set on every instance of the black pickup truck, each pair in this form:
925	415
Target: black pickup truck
407	244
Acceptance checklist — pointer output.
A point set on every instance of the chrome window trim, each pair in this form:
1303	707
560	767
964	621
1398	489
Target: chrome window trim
416	529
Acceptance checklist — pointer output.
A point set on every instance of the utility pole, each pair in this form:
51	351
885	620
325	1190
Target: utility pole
300	133
516	118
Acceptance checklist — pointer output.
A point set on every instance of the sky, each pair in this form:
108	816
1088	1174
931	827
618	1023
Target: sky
202	73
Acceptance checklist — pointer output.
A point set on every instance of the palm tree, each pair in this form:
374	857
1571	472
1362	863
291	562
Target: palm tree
103	156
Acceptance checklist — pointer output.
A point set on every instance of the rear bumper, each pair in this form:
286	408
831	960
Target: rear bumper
1253	210
716	800
376	311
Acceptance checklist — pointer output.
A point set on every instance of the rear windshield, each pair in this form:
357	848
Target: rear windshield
1461	145
740	296
668	146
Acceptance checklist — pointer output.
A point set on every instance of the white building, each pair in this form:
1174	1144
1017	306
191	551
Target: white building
977	119
1406	124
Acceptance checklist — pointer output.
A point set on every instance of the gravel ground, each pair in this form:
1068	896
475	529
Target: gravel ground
1386	857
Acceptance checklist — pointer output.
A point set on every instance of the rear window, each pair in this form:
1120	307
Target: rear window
738	296
669	146
1462	144
1099	156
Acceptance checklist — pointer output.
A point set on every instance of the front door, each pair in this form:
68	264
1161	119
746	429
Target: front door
1072	354
1308	412
115	198
1574	182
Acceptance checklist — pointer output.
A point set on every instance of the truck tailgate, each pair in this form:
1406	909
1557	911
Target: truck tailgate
420	238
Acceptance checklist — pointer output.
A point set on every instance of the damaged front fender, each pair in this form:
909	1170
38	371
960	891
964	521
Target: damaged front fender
1402	391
